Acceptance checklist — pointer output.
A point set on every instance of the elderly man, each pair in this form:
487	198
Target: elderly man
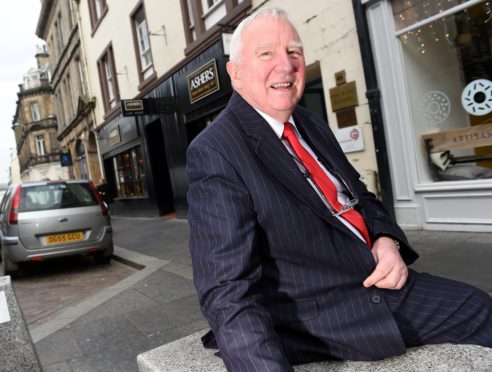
294	259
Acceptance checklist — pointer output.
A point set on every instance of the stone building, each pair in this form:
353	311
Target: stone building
73	104
34	125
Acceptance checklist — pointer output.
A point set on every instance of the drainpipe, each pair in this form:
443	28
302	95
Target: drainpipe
374	100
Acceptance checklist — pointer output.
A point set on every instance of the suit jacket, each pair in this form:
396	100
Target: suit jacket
278	277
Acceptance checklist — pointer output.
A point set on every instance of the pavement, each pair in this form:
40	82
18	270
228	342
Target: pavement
155	303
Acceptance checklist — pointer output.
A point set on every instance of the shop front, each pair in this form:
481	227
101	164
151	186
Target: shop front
125	167
433	61
144	148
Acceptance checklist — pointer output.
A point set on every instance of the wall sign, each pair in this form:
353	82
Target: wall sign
114	136
350	138
203	81
343	96
65	159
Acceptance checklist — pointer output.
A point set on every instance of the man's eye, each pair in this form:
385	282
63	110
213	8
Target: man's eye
295	53
265	54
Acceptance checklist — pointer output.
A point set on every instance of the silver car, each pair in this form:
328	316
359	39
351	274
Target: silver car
48	219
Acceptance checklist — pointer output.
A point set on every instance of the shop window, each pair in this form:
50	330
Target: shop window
142	44
130	174
97	11
109	83
36	116
201	18
447	55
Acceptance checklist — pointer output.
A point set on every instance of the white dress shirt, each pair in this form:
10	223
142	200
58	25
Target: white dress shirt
278	128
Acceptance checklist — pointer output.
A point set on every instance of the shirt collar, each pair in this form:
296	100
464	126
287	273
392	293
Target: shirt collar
277	126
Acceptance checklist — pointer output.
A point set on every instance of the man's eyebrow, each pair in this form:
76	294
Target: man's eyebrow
292	44
295	44
263	46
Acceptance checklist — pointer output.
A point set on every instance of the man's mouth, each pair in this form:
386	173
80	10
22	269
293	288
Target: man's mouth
282	85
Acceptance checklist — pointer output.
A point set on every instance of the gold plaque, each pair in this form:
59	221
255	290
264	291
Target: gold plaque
340	77
343	96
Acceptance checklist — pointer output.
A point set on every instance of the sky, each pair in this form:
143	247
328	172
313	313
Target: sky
18	21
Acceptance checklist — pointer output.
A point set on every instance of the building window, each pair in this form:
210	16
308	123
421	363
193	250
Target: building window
40	146
109	83
83	87
142	44
213	12
97	10
448	65
36	116
59	38
201	18
70	96
71	20
130	174
81	160
60	114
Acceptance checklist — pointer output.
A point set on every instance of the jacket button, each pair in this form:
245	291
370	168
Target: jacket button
376	299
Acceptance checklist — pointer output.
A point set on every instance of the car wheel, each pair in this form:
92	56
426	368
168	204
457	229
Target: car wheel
8	267
103	258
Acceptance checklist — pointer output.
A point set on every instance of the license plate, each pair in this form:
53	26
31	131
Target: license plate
63	238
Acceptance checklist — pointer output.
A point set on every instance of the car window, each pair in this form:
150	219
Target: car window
56	196
4	200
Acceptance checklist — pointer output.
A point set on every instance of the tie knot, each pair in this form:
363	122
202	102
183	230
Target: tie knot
288	130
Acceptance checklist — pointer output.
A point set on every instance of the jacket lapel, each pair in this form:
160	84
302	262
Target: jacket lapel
317	141
274	156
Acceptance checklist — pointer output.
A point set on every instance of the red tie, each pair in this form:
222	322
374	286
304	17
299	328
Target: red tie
324	183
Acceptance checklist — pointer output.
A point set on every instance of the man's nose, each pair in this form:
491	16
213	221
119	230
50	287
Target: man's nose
284	63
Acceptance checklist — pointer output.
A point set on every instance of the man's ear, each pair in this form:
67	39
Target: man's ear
232	70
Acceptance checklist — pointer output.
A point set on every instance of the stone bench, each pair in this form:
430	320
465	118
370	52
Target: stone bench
17	351
187	354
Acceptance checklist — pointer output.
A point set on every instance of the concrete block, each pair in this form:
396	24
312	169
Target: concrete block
17	352
188	354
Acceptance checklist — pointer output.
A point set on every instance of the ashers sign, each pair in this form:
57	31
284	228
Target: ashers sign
203	81
133	107
148	106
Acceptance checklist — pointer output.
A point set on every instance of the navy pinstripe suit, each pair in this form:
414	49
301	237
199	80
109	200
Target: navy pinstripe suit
280	279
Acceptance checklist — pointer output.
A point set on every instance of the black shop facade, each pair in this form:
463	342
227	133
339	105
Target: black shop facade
143	148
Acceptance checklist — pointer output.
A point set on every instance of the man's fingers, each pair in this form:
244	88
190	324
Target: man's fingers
387	279
402	281
377	275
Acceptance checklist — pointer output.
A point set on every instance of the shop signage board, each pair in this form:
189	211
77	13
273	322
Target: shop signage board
203	81
133	107
114	136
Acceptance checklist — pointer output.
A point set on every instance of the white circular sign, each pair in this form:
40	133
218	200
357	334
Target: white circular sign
476	98
435	106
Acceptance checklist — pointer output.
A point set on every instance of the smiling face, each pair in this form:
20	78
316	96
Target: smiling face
270	71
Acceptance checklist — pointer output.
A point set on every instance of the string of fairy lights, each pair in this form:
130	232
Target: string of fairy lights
409	12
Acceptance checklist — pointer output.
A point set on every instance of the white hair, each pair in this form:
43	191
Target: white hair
236	43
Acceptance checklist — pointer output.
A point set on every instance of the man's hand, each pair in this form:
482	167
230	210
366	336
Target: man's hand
390	272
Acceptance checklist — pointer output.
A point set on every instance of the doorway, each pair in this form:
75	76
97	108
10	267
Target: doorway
160	171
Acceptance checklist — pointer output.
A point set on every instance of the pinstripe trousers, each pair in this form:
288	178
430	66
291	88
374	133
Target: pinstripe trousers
432	310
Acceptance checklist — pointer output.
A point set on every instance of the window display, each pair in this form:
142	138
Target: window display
447	54
130	174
